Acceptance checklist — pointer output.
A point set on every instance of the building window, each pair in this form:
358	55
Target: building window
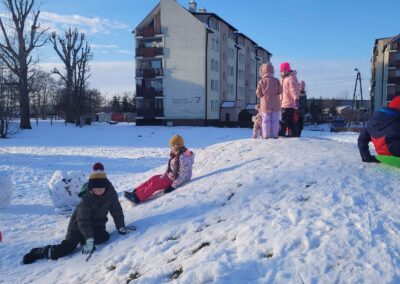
398	56
215	85
231	52
159	104
214	105
213	23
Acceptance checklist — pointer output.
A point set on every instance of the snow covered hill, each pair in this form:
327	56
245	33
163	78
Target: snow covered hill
299	210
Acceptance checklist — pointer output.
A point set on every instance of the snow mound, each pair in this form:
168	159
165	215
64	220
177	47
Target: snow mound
298	210
6	190
64	188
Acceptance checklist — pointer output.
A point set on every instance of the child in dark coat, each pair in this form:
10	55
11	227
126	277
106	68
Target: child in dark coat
383	129
87	225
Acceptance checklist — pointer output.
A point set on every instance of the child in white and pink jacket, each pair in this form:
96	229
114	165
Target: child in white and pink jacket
257	123
268	90
179	171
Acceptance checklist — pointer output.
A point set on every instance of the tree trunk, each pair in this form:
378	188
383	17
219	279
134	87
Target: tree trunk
24	96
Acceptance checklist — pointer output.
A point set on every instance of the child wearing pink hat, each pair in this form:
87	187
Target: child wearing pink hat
289	99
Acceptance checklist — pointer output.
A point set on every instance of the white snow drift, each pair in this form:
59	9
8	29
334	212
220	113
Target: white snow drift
299	210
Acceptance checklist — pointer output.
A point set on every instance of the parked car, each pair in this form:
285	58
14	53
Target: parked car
338	124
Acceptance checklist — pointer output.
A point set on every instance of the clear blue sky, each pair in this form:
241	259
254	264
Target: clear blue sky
323	39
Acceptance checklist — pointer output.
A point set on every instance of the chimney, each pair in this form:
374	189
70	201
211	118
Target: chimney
192	6
202	10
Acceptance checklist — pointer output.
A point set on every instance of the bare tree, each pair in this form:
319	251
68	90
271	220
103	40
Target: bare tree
19	40
8	101
43	87
75	54
81	76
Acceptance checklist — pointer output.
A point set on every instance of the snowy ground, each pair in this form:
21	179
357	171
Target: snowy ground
299	210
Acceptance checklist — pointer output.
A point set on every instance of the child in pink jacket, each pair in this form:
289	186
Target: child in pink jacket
290	100
257	121
179	171
268	90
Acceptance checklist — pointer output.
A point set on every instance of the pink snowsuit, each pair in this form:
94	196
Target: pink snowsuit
178	172
268	90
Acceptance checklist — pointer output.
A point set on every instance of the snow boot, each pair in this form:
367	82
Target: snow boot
131	196
35	254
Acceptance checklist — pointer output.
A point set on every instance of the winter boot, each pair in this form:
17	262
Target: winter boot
131	196
35	254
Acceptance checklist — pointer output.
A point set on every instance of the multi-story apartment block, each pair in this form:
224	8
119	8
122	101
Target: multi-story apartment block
194	68
385	69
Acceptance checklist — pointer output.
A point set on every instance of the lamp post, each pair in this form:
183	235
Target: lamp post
358	106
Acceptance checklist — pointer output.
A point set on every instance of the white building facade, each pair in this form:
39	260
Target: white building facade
194	68
385	71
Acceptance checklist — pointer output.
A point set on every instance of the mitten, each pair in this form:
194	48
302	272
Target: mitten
371	159
88	247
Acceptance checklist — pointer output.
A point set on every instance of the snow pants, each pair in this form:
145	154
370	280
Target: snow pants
74	238
270	124
150	186
288	122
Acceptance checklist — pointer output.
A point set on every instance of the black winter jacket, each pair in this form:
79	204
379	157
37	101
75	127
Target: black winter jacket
92	212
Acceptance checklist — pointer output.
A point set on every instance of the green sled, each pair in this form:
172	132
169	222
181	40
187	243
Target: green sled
389	160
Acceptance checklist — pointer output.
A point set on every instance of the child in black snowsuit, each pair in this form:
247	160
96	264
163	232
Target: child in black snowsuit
87	223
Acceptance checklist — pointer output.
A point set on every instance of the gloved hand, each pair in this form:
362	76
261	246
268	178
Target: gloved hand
169	189
370	159
125	230
88	247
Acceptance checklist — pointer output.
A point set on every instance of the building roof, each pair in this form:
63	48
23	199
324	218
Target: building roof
232	27
392	40
147	18
253	42
216	16
340	108
228	104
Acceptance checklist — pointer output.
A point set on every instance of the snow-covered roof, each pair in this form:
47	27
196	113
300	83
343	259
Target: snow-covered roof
339	108
228	104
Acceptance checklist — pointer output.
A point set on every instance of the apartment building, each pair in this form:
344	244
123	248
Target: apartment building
385	71
194	68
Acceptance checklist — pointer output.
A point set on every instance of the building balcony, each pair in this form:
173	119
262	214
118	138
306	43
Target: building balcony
148	32
149	73
394	80
394	64
148	92
149	52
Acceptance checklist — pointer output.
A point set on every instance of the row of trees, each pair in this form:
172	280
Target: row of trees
24	87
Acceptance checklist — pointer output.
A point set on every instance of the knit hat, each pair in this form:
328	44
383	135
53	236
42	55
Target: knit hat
285	67
98	179
176	141
395	103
